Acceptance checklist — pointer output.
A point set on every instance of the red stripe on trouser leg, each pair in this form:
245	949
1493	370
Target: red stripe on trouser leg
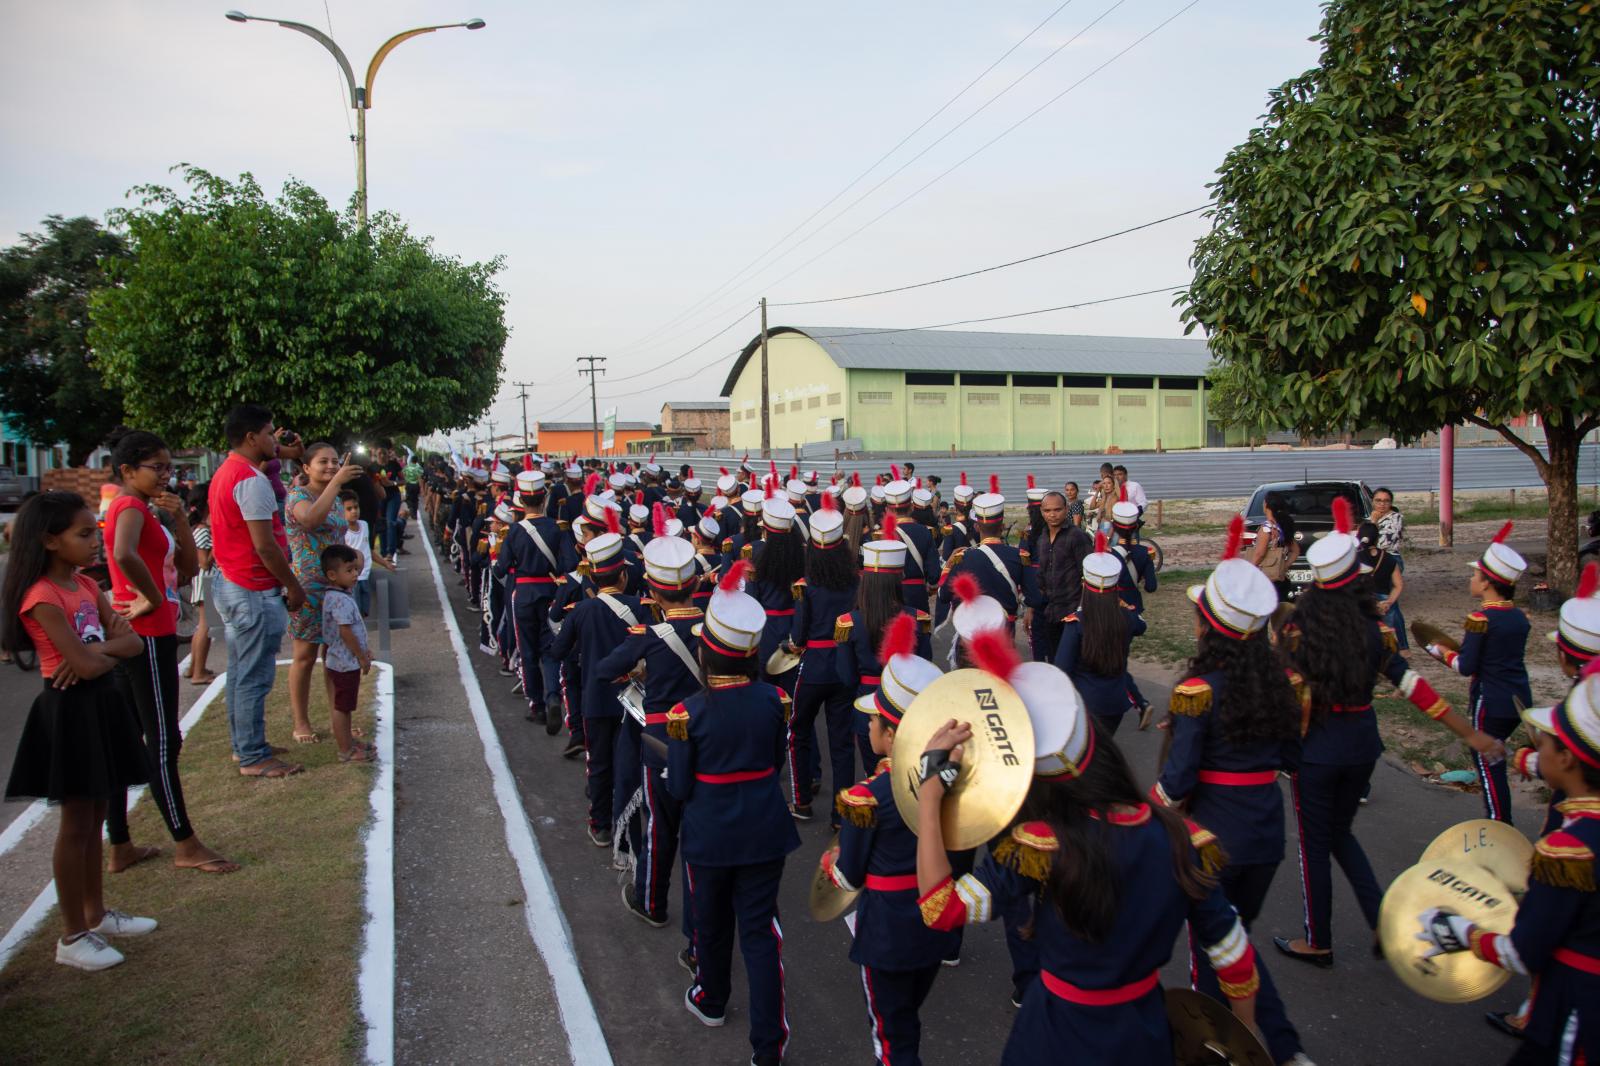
783	999
1305	873
1491	800
650	903
794	772
880	1037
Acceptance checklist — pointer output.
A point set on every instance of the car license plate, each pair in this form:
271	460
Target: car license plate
1300	577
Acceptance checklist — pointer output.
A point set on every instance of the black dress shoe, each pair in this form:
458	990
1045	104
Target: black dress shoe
1500	1019
553	721
1322	960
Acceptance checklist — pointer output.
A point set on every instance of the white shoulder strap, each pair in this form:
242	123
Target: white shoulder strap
911	546
999	564
669	637
618	608
538	542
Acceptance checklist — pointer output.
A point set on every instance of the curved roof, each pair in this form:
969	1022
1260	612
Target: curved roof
1020	353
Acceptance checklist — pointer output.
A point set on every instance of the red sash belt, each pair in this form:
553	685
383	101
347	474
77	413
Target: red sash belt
656	719
914	581
536	581
891	883
1339	708
736	777
1097	997
871	679
1566	956
1229	777
821	644
780	614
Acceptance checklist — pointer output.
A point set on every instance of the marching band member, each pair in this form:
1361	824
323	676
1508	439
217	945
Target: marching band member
1492	656
704	536
857	517
827	590
1334	620
1235	724
917	537
1115	880
575	587
1139	574
691	510
778	561
724	749
739	540
1093	649
997	566
899	956
1556	937
529	560
593	628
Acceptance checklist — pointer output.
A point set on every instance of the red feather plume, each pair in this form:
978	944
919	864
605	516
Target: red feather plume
890	525
658	521
1101	541
994	484
1343	522
1589	582
1505	531
723	470
613	521
1235	537
766	487
827	502
1122	492
894	471
855	479
965	587
689	475
995	652
899	637
963	477
772	469
591	484
729	581
833	479
878	480
794	473
1031	484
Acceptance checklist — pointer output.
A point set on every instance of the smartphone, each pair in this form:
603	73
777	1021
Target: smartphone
345	459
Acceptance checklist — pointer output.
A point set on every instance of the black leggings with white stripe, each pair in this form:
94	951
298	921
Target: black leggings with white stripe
150	685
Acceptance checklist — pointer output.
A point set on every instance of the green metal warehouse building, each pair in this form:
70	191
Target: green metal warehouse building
929	390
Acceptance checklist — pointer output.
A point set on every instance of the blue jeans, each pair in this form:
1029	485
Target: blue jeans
389	532
255	623
364	596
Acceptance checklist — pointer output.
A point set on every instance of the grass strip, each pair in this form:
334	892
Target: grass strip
253	966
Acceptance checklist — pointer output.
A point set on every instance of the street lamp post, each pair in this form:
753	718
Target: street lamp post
360	95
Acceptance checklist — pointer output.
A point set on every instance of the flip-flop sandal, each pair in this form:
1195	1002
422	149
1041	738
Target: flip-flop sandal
271	768
275	750
222	866
147	852
203	680
360	753
308	738
356	731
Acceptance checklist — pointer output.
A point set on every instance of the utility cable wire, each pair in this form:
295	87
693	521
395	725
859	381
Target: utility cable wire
692	308
686	354
997	266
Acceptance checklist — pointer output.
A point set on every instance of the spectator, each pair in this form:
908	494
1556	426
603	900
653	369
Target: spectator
251	553
146	565
347	657
1100	503
1391	525
1074	505
371	498
357	536
313	527
412	472
1135	490
200	586
394	500
1058	554
1276	548
388	500
1387	581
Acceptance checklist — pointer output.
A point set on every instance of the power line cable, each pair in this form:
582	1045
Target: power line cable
997	266
692	308
686	354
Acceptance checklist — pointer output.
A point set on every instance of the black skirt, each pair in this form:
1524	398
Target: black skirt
80	742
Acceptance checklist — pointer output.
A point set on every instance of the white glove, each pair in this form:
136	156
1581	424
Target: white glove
1446	930
1436	651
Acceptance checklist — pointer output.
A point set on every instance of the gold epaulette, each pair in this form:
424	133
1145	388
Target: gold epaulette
1073	617
925	621
747	551
1212	857
1024	555
1192	698
798	589
1290	637
842	627
945	531
955	557
857	805
727	542
1391	643
636	631
1477	622
678	722
1302	691
1563	861
1029	850
585	567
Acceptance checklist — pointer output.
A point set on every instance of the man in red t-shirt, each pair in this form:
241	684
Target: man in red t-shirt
255	589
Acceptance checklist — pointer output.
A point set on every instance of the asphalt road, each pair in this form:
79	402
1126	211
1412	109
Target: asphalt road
1355	1013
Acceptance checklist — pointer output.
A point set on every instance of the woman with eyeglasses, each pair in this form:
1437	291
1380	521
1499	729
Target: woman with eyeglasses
1388	582
147	564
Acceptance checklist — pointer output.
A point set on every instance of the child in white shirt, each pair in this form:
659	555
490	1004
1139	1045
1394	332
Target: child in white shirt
357	536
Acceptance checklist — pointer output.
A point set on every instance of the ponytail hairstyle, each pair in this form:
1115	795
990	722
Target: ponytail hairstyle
879	598
1104	652
47	514
200	504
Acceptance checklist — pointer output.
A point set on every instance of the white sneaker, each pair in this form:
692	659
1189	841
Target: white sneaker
89	952
118	923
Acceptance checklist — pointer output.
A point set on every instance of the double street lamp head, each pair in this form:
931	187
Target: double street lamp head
474	24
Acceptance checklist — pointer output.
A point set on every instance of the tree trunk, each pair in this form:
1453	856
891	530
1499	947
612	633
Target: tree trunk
1561	480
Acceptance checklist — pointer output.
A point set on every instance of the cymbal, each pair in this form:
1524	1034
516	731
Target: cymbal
828	901
782	661
1470	891
1205	1033
996	764
1498	847
1427	633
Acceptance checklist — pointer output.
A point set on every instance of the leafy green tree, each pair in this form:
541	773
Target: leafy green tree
341	330
1410	236
50	389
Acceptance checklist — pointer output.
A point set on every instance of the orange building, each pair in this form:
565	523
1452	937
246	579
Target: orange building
566	438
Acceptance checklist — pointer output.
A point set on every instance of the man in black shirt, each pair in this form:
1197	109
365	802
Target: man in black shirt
1058	556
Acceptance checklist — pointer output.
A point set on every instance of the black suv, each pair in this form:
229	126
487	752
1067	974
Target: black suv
1310	505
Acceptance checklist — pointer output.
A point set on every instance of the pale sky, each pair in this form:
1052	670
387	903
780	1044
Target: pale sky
628	159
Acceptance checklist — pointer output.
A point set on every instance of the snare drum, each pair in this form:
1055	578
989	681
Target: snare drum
633	701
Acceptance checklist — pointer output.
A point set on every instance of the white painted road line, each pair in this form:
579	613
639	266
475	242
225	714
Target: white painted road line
547	923
375	979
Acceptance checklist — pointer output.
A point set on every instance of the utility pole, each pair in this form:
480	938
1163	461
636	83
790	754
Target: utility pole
594	404
527	441
766	397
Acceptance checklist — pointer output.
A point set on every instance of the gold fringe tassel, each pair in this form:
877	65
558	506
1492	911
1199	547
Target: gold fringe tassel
1564	873
862	815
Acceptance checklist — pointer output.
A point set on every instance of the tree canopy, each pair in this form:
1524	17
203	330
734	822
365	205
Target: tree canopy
339	329
50	389
1410	237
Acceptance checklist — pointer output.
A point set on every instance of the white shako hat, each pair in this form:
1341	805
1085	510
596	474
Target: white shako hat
826	528
478	474
1336	558
750	502
1575	721
777	514
1063	738
530	482
605	553
1102	570
617	482
719	502
904	673
809	477
638	514
1500	561
854	498
880	556
674	528
1124	515
595	507
1237	599
502	513
897	491
1577	630
692	486
708	527
573	472
796	490
734	620
1035	492
963	492
989	505
669	562
501	474
921	497
877	494
727	483
652	468
974	611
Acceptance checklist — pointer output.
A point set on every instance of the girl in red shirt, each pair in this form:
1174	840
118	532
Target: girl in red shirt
139	549
79	748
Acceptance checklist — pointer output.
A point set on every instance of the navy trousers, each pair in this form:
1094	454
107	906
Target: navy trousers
1326	799
1246	888
599	761
1496	789
745	898
832	700
530	608
656	846
893	999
